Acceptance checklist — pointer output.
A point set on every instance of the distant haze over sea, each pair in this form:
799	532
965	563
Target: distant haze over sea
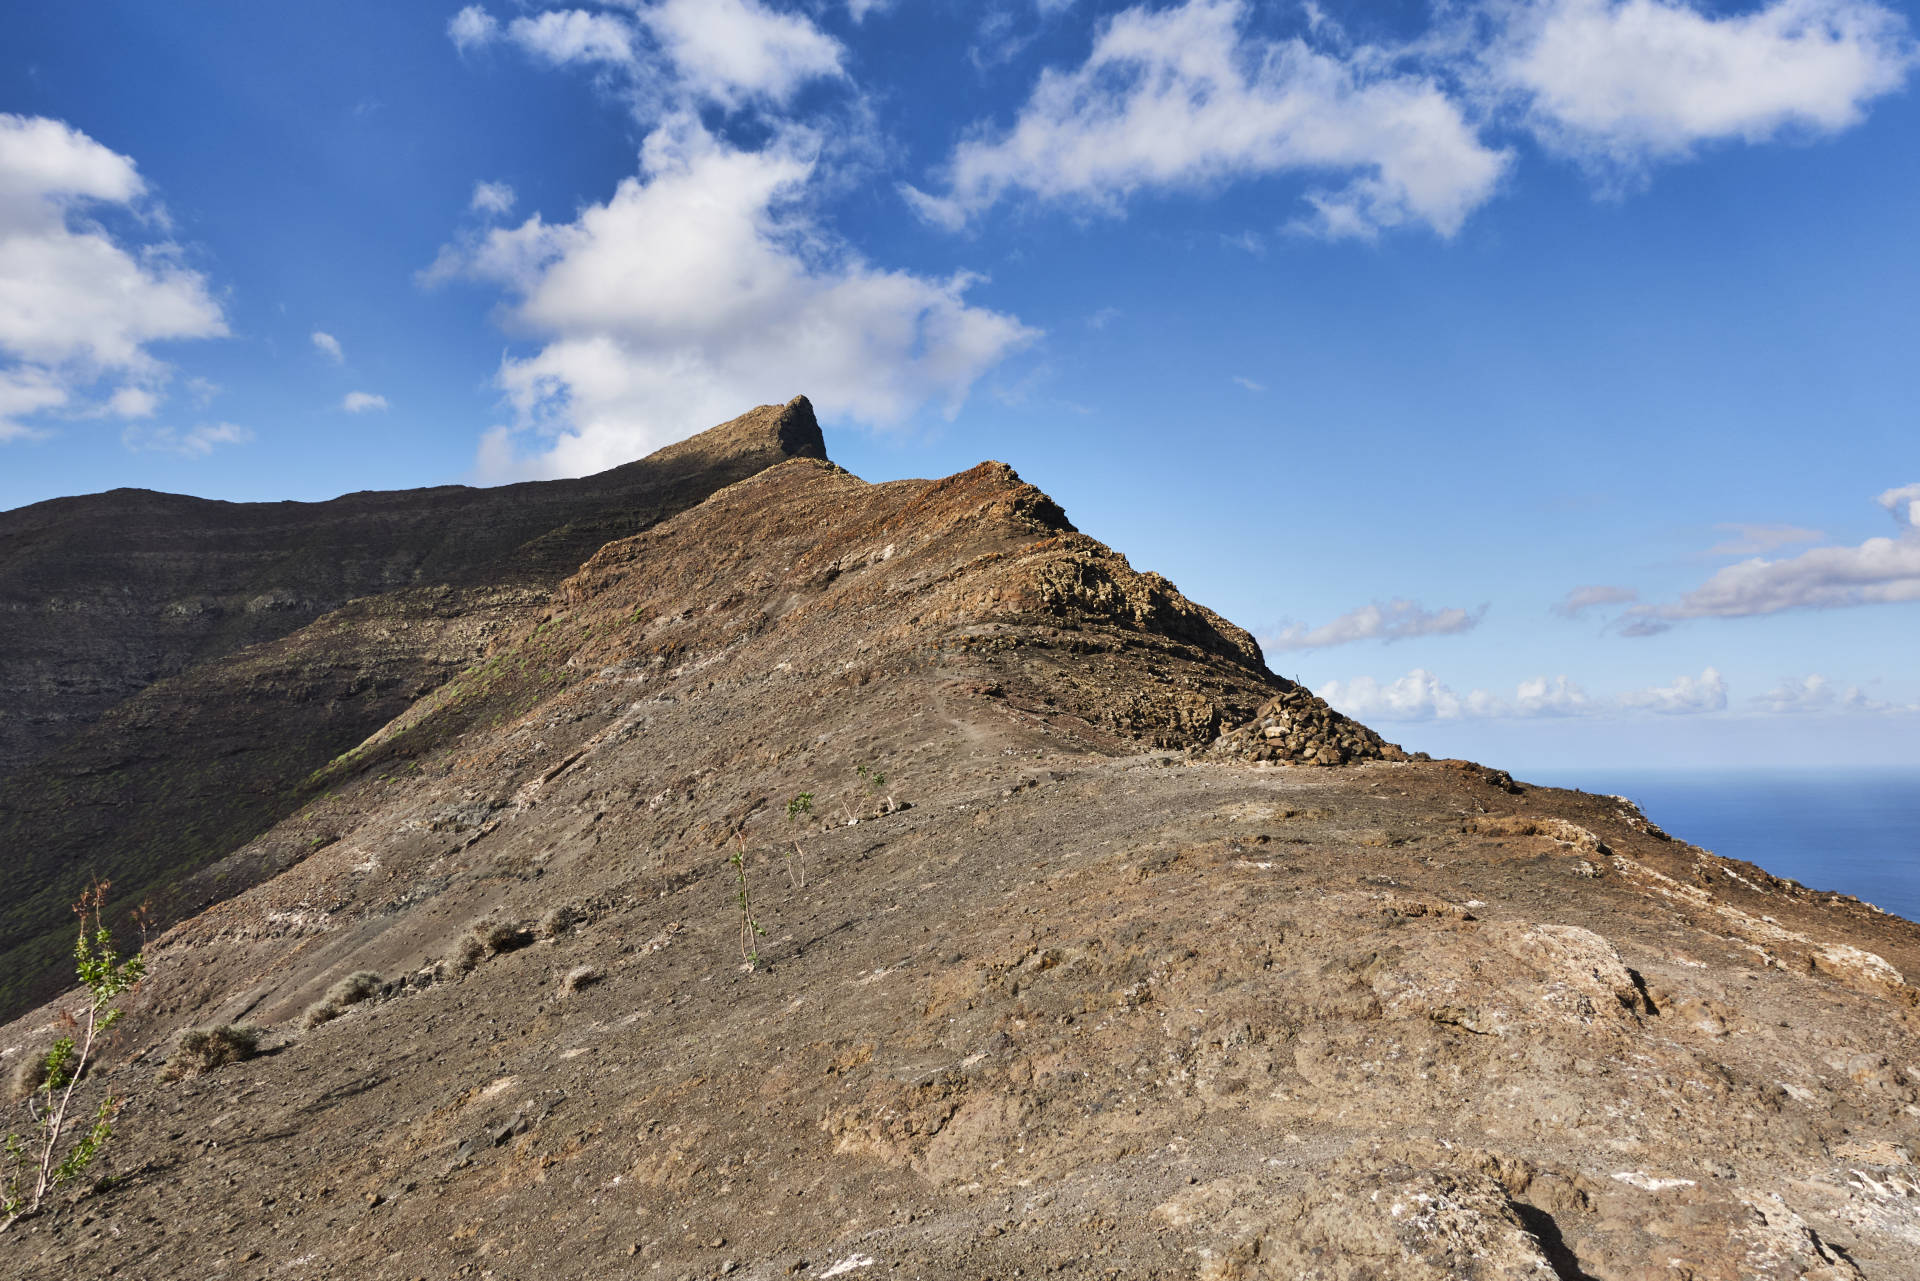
1854	831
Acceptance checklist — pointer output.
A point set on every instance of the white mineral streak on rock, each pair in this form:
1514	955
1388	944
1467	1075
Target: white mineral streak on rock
1650	1183
852	1263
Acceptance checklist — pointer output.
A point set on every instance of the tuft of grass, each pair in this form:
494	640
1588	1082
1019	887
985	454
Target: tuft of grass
462	958
579	977
28	1077
360	986
199	1050
498	935
557	921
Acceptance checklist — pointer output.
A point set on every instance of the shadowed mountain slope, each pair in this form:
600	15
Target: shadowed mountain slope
104	594
199	761
1073	966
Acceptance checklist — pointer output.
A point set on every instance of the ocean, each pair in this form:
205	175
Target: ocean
1854	831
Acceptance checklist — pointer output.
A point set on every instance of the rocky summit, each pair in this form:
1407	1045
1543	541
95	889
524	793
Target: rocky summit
832	879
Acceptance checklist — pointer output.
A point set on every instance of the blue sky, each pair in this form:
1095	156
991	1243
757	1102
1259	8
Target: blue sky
1536	378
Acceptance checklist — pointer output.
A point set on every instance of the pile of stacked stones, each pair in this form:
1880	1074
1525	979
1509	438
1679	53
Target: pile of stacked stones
1297	727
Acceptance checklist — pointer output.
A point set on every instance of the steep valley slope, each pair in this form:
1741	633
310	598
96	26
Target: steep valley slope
100	595
1101	952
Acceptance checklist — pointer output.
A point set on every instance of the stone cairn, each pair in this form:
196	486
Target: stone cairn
1298	728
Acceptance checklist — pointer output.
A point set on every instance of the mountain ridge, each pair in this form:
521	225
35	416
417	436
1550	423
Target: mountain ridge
1095	949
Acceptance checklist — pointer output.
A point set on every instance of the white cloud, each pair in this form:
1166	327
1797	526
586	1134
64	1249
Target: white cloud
1422	696
472	27
1417	696
1559	696
699	289
561	36
133	402
1706	692
1814	694
1907	497
1249	384
1581	599
859	9
1180	98
730	50
197	442
1628	81
1103	317
1395	620
1878	571
79	306
360	402
329	346
1749	540
491	198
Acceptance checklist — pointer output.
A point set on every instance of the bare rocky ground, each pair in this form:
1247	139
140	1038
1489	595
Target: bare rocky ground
1103	980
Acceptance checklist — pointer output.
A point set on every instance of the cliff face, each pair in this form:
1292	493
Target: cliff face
102	595
1097	950
176	669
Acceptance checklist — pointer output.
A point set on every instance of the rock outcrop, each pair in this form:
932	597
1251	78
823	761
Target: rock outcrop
848	880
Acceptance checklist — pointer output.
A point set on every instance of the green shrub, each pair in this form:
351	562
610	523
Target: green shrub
54	1151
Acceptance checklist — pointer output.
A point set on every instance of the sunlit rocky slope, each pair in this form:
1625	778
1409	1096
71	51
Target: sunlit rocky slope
1102	952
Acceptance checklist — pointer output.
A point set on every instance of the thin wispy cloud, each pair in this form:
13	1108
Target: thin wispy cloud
493	198
1754	540
1877	571
1594	596
361	402
1249	384
1396	620
327	345
195	442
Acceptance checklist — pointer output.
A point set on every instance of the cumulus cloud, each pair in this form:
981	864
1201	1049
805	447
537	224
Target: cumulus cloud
1417	696
1814	694
1595	596
561	36
491	198
1878	571
329	346
196	442
1422	696
1395	620
1184	97
729	52
472	27
360	402
1706	692
702	287
1558	696
1629	81
79	305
